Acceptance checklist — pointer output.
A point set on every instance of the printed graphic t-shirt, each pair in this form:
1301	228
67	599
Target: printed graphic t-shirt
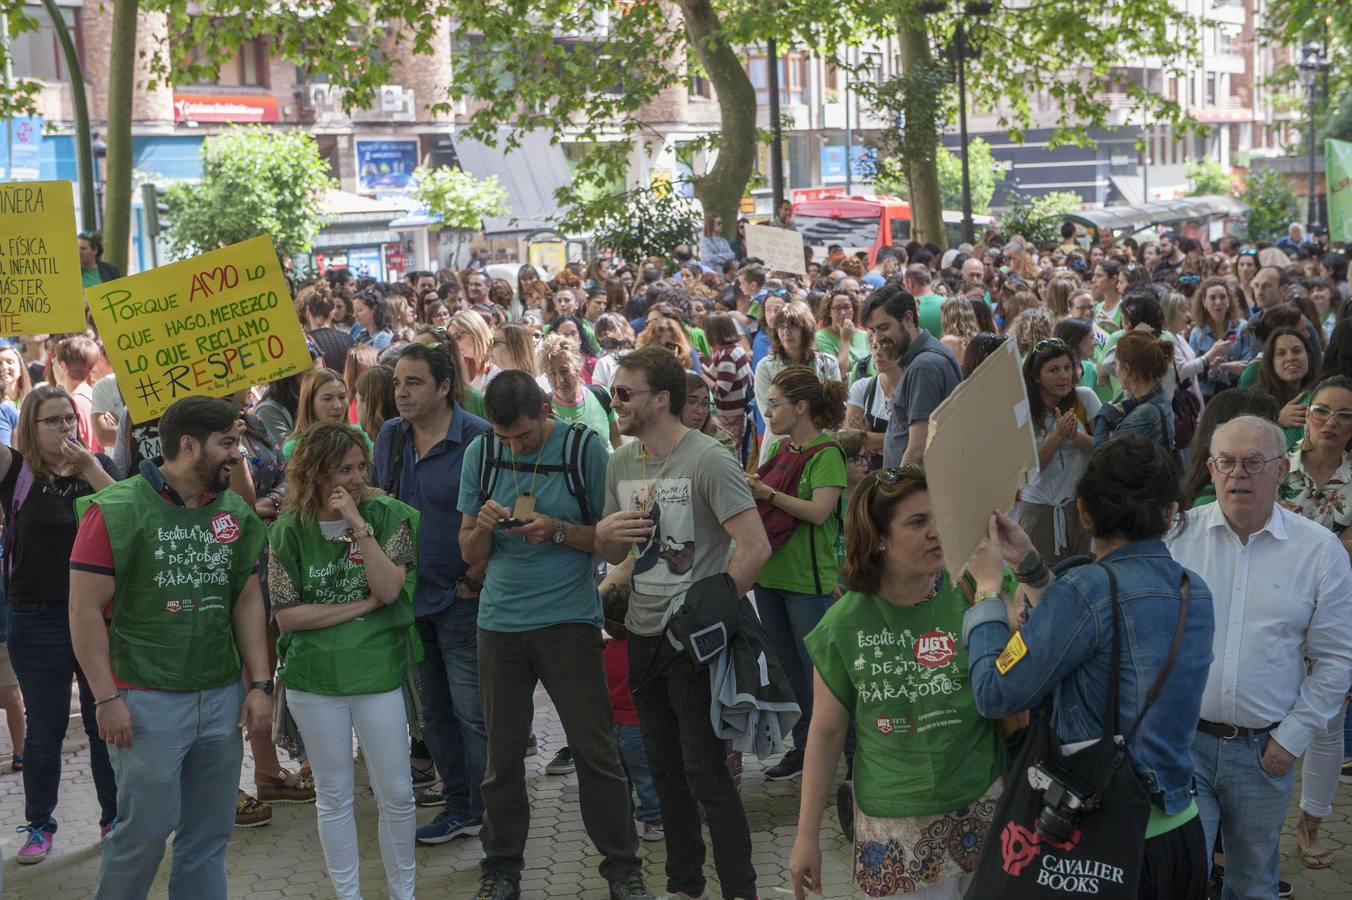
901	672
699	489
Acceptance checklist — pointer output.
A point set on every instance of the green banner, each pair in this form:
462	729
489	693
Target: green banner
1338	189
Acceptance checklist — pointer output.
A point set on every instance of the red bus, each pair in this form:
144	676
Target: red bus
826	217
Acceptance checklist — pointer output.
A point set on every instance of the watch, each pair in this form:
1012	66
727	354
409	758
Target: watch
264	686
984	595
559	536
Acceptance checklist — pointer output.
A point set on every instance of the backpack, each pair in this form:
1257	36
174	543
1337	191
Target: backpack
574	441
1187	410
22	486
782	472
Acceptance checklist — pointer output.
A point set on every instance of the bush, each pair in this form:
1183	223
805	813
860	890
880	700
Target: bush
1206	176
1272	204
1038	219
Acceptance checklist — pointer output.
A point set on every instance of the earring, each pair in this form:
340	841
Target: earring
882	548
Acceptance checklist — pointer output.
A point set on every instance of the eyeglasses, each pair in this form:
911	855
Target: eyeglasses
697	400
772	405
1252	465
58	421
624	394
1341	418
1046	344
671	345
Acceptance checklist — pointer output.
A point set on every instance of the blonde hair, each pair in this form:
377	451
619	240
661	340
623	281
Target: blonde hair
310	383
958	319
520	347
479	334
557	346
318	453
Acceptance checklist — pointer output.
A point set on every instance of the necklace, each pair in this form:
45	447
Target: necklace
650	486
539	451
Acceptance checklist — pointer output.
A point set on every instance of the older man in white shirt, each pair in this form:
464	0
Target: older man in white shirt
1282	588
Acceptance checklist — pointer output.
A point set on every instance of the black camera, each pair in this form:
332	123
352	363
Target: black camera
1061	805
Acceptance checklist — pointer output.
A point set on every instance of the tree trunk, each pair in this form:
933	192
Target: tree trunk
117	172
922	172
721	188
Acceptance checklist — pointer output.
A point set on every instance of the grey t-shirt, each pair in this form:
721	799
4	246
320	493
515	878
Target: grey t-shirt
929	373
700	489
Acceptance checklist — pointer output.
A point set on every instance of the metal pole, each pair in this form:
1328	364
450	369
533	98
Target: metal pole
776	144
1313	196
968	228
849	140
84	148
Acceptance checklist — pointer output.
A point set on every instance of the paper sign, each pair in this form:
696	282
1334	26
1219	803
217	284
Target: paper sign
981	451
781	248
40	286
209	325
1338	177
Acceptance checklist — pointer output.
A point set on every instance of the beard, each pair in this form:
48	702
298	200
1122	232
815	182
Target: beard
898	348
209	472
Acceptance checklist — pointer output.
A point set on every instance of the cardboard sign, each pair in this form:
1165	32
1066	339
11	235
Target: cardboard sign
40	286
981	451
209	325
781	248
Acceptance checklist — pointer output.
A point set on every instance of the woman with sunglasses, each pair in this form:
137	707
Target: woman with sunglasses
43	475
1061	412
1319	487
886	655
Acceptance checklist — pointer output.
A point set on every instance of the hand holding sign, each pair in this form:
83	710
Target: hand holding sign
208	325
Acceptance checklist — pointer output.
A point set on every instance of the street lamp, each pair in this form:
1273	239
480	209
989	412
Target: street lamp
963	50
1313	61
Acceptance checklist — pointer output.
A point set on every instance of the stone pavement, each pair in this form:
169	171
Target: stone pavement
284	860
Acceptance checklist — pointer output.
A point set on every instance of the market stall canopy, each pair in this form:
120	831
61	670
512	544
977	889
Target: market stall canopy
1131	219
530	174
352	219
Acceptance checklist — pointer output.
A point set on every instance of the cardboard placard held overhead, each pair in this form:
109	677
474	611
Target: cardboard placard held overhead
208	325
781	248
980	452
41	291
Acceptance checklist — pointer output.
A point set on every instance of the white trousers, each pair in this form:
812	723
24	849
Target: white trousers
326	724
1321	768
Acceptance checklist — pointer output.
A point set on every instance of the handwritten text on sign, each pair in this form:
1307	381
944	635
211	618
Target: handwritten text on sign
208	325
780	248
40	285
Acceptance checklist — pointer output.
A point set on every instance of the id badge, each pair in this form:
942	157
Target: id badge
524	506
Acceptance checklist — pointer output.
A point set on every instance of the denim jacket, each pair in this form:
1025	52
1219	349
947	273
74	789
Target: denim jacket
1151	417
1069	640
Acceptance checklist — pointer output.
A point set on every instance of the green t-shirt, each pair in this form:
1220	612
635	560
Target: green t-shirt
901	672
699	341
91	277
791	567
474	402
1250	373
589	412
931	314
828	342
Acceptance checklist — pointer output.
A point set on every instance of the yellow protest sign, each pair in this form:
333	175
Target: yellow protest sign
40	289
208	325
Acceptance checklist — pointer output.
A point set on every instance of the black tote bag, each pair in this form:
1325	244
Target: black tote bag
1101	855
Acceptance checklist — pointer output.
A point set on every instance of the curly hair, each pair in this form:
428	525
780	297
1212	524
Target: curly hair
1029	327
319	452
660	333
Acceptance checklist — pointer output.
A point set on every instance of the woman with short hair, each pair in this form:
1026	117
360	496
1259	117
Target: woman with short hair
571	399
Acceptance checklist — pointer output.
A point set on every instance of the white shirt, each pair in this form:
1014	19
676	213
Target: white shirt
1283	597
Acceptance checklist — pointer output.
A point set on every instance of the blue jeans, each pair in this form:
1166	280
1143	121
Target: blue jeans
788	617
1237	797
179	775
453	715
40	649
634	758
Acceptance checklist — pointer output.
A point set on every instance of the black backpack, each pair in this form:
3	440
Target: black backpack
574	441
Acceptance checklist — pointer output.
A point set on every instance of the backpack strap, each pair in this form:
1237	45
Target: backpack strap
602	396
22	485
861	367
397	442
488	466
574	442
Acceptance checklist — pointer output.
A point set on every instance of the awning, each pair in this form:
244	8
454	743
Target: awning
417	219
530	174
351	220
1164	212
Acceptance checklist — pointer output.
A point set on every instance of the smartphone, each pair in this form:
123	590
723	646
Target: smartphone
512	522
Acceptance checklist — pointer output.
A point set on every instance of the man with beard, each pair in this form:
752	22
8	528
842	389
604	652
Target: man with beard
673	487
168	560
929	371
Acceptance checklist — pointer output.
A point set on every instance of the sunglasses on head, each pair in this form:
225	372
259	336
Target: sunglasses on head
1189	279
897	474
1046	344
1248	251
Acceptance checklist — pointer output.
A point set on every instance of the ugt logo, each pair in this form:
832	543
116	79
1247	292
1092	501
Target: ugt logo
225	528
934	649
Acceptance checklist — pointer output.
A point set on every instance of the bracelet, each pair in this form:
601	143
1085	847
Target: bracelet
1032	568
108	699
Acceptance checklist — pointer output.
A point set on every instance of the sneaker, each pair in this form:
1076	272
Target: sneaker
38	844
1284	889
430	797
562	763
651	831
493	886
630	886
845	809
532	746
791	766
105	830
423	776
449	826
249	813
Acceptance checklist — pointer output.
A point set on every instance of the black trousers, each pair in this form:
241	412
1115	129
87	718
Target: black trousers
1176	864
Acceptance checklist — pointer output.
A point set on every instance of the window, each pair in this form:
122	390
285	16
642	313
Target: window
1211	89
37	54
792	78
246	68
697	85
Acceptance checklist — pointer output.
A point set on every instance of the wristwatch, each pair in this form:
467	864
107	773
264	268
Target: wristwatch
559	535
264	686
984	595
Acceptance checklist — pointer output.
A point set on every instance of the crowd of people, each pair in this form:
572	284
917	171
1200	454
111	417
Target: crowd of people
486	485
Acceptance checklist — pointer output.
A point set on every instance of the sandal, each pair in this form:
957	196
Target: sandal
1312	856
249	813
290	787
16	765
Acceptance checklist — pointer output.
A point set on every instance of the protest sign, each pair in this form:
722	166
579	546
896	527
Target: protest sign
780	248
1338	178
40	287
981	451
208	325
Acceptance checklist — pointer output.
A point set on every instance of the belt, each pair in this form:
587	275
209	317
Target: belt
1231	732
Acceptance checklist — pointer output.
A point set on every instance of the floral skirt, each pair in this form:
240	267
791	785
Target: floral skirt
903	856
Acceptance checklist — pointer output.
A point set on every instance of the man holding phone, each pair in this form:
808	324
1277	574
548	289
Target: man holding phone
530	491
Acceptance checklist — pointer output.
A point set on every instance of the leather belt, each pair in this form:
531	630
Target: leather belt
1231	732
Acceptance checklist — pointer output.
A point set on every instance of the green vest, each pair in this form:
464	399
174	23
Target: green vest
179	571
366	655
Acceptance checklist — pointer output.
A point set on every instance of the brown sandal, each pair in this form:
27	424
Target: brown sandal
291	787
1312	856
249	813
